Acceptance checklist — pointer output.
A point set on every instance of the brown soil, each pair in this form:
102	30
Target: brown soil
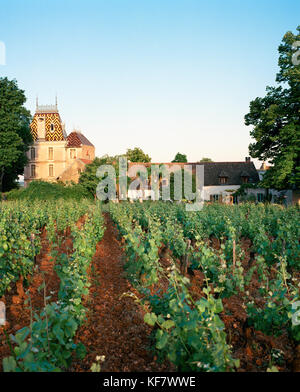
115	327
17	312
253	348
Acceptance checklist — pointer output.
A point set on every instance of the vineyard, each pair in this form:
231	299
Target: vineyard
149	287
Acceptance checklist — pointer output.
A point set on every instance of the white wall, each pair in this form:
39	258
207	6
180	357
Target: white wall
219	190
139	194
208	190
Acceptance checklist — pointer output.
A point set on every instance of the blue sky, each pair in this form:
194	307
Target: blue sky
168	76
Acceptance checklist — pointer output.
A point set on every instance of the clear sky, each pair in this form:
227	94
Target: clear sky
165	75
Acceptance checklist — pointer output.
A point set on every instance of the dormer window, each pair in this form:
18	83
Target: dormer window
223	177
52	127
245	177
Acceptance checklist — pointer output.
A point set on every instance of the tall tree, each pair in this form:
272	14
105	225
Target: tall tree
15	134
180	158
276	120
137	155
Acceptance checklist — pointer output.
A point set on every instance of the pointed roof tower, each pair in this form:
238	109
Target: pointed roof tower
46	123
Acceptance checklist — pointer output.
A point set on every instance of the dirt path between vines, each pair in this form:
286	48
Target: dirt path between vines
115	327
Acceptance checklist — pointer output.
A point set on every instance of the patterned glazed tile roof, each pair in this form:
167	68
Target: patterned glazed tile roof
53	126
77	139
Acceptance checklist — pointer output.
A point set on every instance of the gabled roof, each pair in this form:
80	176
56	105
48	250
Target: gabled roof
77	139
223	173
234	172
244	173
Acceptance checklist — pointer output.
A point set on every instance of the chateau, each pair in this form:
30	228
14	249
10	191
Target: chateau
54	156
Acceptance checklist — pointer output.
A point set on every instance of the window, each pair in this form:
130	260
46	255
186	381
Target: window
32	171
260	197
223	180
50	153
214	197
73	153
51	171
52	127
245	179
32	153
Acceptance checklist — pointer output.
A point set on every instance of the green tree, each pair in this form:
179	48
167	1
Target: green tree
137	155
205	160
276	120
180	158
189	177
15	134
88	178
10	152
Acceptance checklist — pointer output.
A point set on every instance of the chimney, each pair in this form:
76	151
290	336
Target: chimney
247	159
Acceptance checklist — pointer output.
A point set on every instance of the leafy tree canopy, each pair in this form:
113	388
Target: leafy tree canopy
276	119
15	134
88	179
137	155
180	158
206	160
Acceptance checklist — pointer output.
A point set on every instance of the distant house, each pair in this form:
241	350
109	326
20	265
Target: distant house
20	181
261	171
286	196
221	179
54	155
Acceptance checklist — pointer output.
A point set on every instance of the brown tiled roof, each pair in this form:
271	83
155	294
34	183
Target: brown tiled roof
86	161
77	139
213	170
